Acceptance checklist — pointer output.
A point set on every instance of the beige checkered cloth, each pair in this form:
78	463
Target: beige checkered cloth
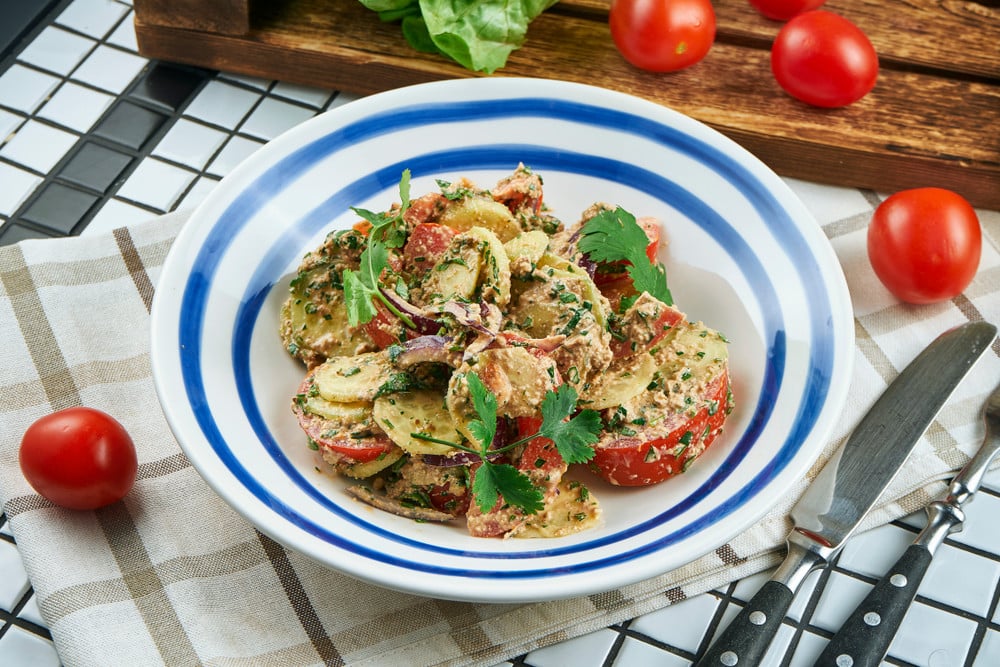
173	576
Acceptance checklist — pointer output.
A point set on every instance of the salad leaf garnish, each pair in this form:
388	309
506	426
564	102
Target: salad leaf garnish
477	35
573	439
613	236
360	287
388	226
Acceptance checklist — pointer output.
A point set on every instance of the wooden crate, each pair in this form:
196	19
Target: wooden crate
932	119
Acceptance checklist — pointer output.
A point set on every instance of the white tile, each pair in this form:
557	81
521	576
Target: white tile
839	598
92	17
972	590
20	647
14	583
586	650
31	612
8	123
874	551
38	146
343	98
190	143
929	636
156	183
15	186
807	650
24	89
124	35
76	107
110	69
233	153
681	625
989	650
198	192
981	512
116	214
315	97
57	50
252	81
634	653
272	117
222	104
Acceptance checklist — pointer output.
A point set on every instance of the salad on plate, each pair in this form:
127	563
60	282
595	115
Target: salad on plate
465	348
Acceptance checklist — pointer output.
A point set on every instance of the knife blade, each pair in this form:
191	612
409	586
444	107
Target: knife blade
849	484
864	638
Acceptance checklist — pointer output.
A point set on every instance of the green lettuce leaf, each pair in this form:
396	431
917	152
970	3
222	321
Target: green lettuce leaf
477	35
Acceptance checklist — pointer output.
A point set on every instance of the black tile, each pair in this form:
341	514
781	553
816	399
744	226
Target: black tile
168	86
19	18
130	125
95	166
59	207
12	232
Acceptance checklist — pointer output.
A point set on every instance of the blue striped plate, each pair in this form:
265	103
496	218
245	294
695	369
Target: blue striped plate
744	255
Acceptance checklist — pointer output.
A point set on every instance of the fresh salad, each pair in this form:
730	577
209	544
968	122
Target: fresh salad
465	348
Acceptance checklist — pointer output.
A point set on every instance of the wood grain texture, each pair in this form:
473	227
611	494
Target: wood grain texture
932	119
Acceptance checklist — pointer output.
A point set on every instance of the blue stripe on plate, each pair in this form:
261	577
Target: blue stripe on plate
504	157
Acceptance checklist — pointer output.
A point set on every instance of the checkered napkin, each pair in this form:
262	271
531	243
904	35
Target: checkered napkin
172	575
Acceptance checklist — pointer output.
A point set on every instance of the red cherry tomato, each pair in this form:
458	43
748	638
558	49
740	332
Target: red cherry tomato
782	10
79	458
662	35
823	59
925	244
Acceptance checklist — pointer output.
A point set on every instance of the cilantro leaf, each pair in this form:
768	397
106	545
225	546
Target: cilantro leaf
485	404
573	438
388	227
358	299
612	236
362	285
494	479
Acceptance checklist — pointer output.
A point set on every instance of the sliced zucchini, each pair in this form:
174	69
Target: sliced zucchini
456	276
529	245
421	412
481	211
354	379
369	468
624	379
495	272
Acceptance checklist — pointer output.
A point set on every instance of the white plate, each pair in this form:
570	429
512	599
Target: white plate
744	255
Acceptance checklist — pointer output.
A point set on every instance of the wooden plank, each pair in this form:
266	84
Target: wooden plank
922	125
227	17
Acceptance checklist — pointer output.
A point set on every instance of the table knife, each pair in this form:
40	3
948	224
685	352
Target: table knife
865	637
849	484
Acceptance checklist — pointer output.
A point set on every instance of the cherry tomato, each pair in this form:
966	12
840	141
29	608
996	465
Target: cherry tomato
823	59
662	35
925	244
782	10
80	458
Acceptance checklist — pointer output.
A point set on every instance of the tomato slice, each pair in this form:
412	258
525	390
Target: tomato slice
384	329
641	460
426	245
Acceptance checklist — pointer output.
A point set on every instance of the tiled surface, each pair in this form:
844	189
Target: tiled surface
93	136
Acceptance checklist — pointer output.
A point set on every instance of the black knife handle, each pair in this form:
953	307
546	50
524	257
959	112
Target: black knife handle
867	633
746	639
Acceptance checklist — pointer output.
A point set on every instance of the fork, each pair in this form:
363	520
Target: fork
865	637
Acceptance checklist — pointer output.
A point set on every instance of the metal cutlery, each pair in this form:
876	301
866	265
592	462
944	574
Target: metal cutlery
849	484
866	635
